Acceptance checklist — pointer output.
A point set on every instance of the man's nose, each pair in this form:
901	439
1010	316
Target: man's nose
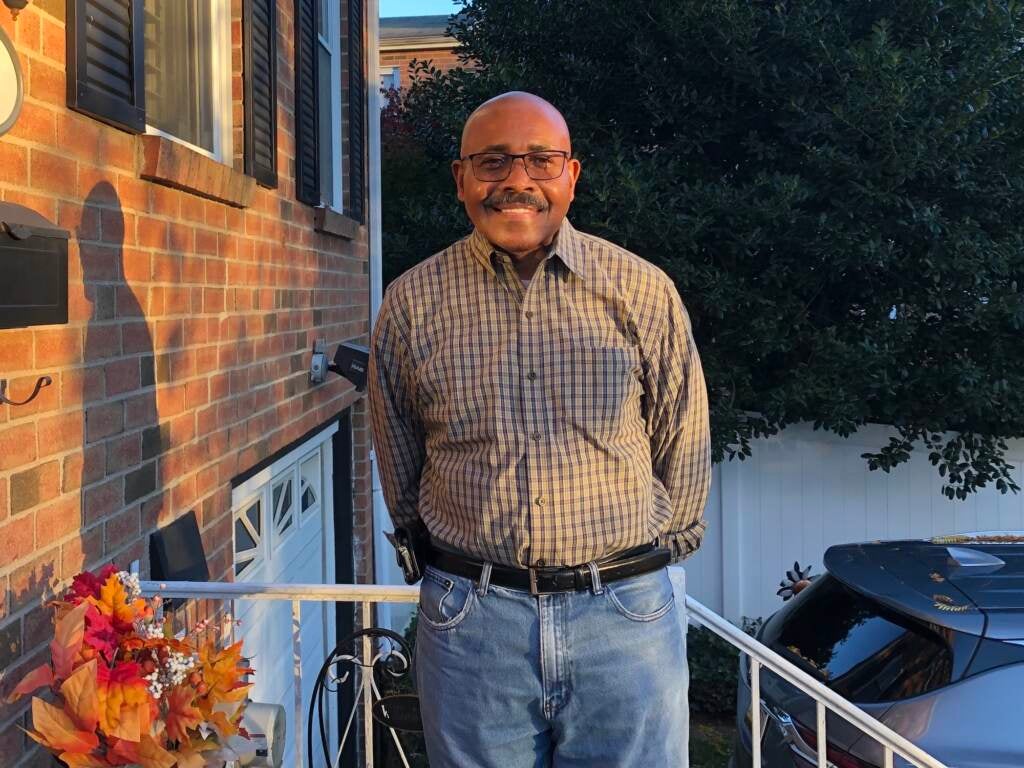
518	178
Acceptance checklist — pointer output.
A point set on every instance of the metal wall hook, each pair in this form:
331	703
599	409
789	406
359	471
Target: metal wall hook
42	381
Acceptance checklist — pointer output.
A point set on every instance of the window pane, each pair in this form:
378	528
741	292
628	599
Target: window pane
324	127
253	514
857	647
322	17
179	75
243	539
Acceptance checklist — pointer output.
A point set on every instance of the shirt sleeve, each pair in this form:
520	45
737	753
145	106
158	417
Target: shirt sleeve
678	428
398	434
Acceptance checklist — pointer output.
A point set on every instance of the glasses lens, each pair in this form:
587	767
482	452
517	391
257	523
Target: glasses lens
492	166
545	165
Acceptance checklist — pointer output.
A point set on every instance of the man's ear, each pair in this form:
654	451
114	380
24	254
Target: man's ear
457	173
574	169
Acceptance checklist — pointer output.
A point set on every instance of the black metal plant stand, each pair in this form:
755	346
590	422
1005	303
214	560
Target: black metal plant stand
392	661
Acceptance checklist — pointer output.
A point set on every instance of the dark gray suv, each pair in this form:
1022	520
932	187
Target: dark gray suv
926	636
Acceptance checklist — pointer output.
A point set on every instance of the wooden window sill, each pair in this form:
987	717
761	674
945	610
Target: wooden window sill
167	162
330	222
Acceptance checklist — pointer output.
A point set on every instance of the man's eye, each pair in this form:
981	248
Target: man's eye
541	161
491	163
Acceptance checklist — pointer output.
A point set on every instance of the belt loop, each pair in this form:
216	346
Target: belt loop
485	579
595	578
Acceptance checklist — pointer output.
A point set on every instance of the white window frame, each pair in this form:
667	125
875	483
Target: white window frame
386	80
332	43
261	485
220	66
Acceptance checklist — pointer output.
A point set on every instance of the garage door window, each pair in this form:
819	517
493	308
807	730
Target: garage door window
248	537
292	497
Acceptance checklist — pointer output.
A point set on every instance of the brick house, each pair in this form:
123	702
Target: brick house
221	217
404	38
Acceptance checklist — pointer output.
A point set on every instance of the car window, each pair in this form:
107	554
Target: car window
860	649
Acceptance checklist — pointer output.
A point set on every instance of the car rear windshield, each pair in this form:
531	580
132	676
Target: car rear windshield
860	649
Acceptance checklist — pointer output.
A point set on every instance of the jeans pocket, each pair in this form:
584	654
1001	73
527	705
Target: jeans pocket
642	598
445	599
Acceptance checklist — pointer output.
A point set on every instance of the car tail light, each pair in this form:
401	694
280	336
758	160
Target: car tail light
835	756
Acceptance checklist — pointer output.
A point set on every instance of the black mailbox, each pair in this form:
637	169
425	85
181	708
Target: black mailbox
33	269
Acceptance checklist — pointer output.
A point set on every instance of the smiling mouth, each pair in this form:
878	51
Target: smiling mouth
515	210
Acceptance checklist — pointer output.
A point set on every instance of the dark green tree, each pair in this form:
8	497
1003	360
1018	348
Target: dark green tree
836	187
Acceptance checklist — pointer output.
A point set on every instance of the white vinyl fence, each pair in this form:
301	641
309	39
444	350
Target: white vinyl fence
805	490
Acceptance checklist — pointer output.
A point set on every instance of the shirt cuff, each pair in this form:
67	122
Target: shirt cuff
685	542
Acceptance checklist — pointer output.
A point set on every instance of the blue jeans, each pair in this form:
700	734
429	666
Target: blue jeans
571	680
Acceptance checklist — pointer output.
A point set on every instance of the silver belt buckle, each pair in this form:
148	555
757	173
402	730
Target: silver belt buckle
533	581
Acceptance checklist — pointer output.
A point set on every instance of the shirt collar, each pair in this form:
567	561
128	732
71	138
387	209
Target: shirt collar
567	245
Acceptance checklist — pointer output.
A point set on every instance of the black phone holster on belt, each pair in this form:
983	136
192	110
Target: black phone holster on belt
411	544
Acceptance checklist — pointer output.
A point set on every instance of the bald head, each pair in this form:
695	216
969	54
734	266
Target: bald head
513	108
517	213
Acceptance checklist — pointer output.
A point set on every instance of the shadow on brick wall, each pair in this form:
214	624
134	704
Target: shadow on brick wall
122	438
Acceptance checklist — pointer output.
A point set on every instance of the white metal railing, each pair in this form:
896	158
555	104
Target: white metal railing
369	594
763	656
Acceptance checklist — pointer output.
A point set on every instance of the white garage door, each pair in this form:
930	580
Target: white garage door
284	533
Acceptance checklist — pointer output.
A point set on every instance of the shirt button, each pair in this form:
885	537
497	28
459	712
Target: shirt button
529	314
540	501
532	375
535	435
540	563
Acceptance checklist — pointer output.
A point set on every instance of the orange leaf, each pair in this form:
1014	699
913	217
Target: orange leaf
224	727
80	698
189	759
152	755
113	602
56	731
78	760
37	678
124	701
181	714
222	672
68	635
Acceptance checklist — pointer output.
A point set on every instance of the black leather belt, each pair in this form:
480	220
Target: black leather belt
549	580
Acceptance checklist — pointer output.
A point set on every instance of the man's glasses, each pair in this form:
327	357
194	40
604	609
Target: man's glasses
543	165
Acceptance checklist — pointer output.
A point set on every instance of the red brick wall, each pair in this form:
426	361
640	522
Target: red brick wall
442	59
185	358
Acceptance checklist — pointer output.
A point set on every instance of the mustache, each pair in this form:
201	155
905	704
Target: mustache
496	199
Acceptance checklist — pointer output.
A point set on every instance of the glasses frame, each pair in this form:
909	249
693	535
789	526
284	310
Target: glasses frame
566	155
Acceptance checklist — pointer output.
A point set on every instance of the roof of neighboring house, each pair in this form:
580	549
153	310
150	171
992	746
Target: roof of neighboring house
398	32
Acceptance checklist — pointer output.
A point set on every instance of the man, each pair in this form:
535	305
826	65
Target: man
539	409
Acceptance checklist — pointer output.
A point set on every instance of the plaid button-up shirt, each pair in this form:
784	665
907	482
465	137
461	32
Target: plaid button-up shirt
551	424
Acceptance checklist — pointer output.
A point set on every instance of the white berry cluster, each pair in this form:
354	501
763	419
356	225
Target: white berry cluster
150	630
130	582
173	671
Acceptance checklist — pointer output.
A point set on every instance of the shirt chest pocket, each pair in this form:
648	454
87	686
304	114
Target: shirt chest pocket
600	389
457	389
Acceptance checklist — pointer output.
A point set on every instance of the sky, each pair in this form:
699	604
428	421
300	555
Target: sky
417	7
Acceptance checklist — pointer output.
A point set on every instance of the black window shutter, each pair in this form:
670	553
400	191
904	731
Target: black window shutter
307	167
260	45
357	110
104	64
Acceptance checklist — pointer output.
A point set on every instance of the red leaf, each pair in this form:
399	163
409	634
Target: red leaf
99	632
